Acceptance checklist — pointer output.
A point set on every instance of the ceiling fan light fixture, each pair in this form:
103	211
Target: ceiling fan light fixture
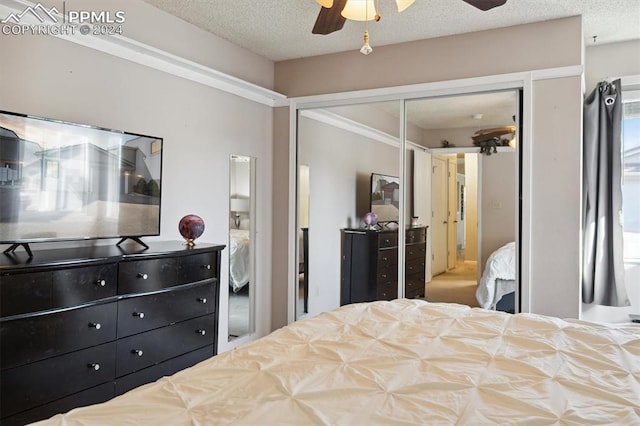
325	3
359	10
366	47
403	4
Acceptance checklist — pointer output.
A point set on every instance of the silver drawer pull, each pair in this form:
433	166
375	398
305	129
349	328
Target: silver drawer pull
207	267
143	276
137	352
94	366
202	300
95	325
101	283
138	314
201	332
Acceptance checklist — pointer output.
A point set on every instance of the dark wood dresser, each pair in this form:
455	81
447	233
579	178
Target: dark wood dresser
80	326
370	264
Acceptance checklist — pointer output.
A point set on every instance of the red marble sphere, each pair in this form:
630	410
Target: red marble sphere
191	227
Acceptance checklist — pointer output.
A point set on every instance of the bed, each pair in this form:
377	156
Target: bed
401	362
238	259
498	278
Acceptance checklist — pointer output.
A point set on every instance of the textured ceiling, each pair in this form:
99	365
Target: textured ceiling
281	29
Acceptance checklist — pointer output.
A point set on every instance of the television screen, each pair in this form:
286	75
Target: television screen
385	197
65	181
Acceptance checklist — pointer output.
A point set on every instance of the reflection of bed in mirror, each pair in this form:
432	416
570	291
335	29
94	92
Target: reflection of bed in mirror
238	258
496	289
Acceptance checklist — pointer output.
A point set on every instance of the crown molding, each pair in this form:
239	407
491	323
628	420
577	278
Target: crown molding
149	56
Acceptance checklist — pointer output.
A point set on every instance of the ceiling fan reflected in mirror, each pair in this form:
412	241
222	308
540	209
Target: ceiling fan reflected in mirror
334	13
489	139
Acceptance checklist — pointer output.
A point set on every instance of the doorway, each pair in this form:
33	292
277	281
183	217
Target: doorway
455	266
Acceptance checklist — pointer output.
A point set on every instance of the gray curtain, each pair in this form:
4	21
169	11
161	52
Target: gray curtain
603	265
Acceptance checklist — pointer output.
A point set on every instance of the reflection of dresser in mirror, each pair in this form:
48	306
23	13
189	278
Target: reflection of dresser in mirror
369	264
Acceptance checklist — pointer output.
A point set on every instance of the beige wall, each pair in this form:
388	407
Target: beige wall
519	48
146	24
280	224
556	197
556	124
609	61
498	203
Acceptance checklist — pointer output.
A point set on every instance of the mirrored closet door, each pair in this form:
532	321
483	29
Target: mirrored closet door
439	208
241	245
348	166
462	159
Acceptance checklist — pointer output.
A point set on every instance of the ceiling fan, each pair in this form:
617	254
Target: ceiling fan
490	139
495	132
334	13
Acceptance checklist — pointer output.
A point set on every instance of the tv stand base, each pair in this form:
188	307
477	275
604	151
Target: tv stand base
13	248
135	239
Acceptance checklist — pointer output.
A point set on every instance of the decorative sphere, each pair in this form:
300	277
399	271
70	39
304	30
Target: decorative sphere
370	219
191	227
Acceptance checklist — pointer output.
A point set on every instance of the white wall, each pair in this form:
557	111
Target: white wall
201	127
471	175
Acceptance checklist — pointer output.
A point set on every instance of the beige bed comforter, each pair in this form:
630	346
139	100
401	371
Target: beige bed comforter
400	362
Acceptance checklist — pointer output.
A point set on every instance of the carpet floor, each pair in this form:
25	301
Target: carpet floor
455	286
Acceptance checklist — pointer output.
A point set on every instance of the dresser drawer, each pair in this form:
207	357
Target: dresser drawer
94	395
415	266
25	292
147	275
143	350
39	337
74	286
387	290
142	313
415	251
388	258
197	267
388	274
417	235
55	377
387	239
414	286
166	368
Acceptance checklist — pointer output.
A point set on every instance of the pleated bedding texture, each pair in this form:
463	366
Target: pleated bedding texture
400	362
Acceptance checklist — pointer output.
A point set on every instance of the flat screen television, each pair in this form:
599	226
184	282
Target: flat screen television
65	181
385	197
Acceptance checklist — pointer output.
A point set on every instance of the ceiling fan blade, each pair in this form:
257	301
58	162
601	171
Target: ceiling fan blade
485	4
330	19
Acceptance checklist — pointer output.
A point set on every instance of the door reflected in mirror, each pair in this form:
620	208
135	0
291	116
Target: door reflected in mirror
241	245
